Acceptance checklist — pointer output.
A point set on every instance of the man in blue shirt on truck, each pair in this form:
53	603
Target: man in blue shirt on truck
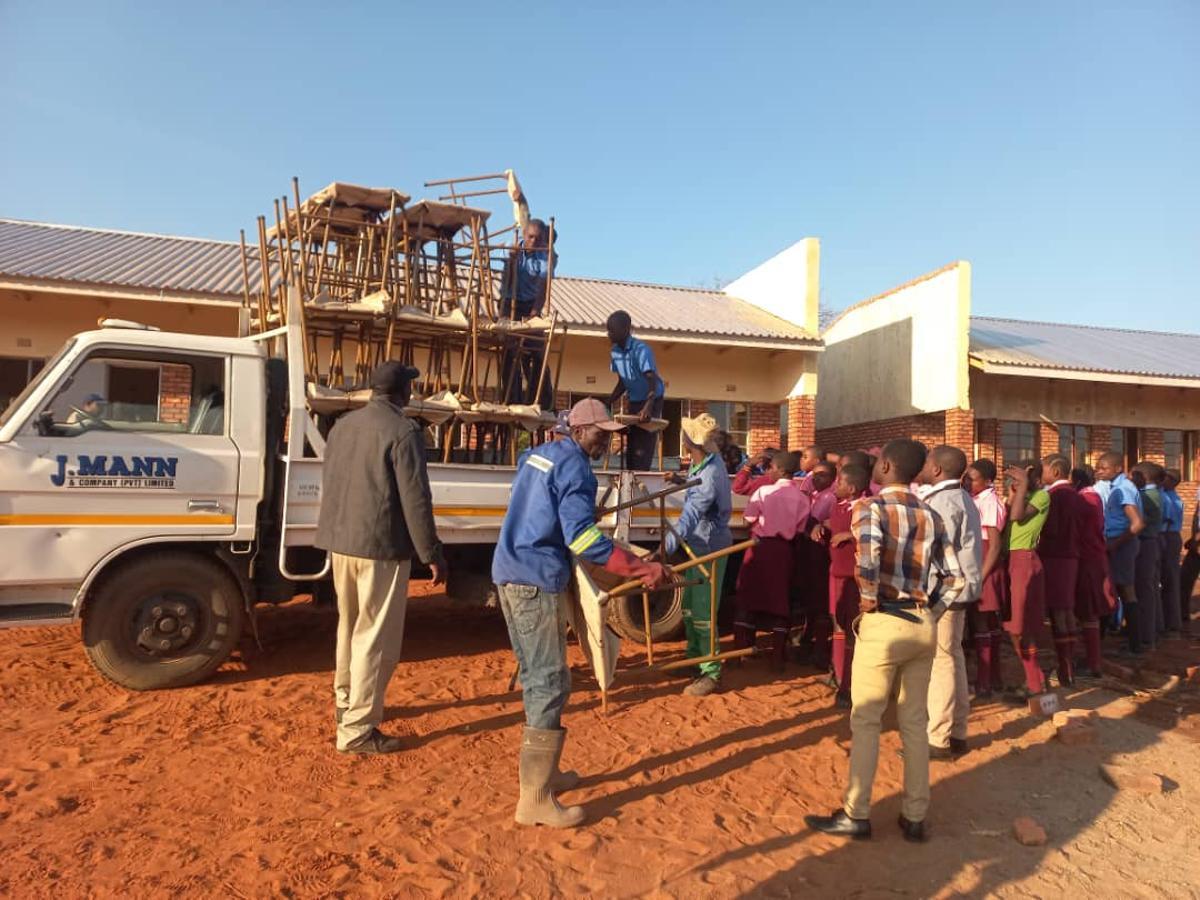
551	518
637	379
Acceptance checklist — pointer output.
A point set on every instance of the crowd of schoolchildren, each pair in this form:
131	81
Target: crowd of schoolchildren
1083	551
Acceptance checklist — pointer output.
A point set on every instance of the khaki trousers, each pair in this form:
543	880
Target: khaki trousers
890	650
949	693
372	597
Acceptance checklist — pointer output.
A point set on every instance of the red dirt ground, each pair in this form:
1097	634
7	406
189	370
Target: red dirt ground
233	787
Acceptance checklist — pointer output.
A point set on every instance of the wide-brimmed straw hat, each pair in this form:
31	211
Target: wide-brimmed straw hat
701	431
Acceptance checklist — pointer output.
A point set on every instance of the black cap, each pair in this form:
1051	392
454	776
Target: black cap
391	376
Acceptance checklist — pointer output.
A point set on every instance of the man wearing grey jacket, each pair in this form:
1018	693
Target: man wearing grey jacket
949	692
376	514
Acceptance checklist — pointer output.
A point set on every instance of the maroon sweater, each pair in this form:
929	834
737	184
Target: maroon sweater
1060	534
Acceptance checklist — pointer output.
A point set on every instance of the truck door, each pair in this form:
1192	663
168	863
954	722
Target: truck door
132	445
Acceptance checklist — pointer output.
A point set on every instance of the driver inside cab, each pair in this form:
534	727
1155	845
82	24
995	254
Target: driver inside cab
89	413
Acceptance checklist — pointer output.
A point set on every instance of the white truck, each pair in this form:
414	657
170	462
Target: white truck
164	518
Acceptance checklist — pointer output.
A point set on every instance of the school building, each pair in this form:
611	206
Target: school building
747	354
913	362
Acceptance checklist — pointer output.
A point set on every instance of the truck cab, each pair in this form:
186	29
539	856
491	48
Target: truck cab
133	440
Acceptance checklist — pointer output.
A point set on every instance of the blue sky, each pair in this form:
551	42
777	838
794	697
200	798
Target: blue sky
1054	145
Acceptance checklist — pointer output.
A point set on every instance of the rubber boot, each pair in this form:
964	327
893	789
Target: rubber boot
541	749
564	781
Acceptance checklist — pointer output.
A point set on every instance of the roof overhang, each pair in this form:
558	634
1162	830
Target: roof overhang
123	292
1026	371
811	345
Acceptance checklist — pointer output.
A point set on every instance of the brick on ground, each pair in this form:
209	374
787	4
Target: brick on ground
1128	778
1028	832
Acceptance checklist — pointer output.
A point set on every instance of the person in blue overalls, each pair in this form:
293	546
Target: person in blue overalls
551	518
704	528
637	379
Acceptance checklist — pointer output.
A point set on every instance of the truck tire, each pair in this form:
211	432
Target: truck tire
162	620
627	616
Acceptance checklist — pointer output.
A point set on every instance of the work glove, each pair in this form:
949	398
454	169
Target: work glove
628	565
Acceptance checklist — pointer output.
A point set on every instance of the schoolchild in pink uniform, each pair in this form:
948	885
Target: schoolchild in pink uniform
775	513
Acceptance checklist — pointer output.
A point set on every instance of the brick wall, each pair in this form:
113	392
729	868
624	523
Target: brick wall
764	427
802	422
1047	439
1150	445
174	393
987	440
960	429
929	428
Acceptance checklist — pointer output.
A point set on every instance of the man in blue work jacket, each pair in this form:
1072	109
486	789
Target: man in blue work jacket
552	517
637	379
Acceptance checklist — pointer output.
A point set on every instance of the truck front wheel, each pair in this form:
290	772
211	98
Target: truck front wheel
162	620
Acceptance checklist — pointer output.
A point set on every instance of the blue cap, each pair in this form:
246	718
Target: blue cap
94	398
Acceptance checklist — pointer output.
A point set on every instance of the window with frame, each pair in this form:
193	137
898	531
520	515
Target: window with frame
136	391
15	373
733	417
1125	442
1073	443
1179	452
1018	441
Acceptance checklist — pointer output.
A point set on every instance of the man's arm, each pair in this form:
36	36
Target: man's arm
649	369
951	581
577	515
617	393
416	501
703	496
652	380
868	534
969	555
520	204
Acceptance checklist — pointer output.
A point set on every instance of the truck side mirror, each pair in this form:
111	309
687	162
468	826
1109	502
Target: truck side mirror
44	423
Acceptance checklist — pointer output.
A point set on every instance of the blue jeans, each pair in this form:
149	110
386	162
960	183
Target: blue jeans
539	639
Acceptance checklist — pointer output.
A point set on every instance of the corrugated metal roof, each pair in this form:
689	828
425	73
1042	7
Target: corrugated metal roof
589	302
120	259
1085	348
184	265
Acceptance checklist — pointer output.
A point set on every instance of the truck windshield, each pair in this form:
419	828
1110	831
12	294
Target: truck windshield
37	379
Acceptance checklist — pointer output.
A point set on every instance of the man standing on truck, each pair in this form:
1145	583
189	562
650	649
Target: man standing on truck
376	514
638	379
552	517
524	291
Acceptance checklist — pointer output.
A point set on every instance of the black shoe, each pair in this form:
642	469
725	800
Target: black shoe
374	742
958	746
838	822
940	752
913	831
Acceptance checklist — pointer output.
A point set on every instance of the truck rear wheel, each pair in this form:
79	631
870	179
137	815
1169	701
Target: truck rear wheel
163	620
627	616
